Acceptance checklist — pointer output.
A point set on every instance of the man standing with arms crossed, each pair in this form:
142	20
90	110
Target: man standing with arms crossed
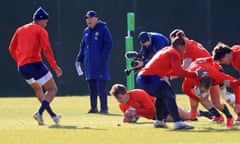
95	48
26	46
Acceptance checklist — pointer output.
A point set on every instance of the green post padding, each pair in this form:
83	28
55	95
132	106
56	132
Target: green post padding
130	78
131	21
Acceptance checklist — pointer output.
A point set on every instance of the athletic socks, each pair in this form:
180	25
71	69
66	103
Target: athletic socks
45	106
226	112
205	114
195	113
50	111
214	112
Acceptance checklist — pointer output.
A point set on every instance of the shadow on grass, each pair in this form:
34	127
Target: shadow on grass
142	123
207	130
72	127
109	114
237	124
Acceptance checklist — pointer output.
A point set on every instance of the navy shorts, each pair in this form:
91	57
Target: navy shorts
35	72
155	86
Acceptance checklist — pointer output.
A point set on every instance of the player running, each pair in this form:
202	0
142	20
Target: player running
26	46
201	87
150	78
137	103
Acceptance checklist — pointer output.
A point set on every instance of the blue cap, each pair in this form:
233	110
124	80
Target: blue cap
143	37
40	14
91	14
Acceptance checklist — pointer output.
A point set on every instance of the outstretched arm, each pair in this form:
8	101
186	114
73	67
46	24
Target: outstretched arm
177	69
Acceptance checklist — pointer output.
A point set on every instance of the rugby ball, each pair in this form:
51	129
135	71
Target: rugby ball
198	92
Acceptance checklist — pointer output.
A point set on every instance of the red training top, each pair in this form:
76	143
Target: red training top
143	103
213	72
194	50
27	44
166	62
236	57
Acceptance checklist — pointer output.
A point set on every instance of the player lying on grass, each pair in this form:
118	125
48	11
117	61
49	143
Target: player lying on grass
198	89
26	47
137	103
224	54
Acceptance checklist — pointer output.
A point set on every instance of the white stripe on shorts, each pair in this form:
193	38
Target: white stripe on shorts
43	80
31	81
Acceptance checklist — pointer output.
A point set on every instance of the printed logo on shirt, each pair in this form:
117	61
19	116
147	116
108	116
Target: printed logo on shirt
96	35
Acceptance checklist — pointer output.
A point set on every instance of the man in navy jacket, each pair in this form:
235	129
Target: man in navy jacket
95	48
151	42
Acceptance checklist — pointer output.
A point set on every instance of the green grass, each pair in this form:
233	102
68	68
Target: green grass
18	127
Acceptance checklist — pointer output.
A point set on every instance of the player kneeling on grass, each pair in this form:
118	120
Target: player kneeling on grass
137	103
26	46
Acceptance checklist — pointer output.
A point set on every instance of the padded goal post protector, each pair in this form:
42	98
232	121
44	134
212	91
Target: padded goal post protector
129	47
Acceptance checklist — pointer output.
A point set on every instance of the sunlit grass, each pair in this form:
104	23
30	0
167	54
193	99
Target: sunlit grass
18	127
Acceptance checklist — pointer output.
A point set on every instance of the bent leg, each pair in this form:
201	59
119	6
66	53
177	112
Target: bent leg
51	90
184	115
38	91
194	108
166	91
215	97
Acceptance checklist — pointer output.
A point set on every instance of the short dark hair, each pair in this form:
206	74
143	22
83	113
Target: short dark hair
179	39
220	50
118	89
173	34
205	82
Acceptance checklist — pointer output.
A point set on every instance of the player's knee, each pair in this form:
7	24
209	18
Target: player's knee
36	86
53	90
218	105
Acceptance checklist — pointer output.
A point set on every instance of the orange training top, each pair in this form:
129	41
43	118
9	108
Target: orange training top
27	44
236	57
143	103
166	62
194	50
213	72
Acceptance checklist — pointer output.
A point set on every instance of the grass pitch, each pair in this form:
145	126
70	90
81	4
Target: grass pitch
76	127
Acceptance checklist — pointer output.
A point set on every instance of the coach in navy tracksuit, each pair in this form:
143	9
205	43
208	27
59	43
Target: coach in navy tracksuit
151	42
95	48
